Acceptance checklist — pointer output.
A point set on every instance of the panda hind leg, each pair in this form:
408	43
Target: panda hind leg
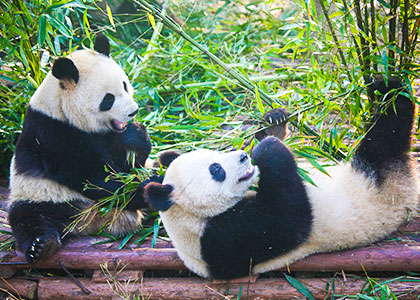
38	227
387	142
42	247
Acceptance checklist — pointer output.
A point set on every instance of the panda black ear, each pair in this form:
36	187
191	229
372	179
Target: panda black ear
166	157
157	195
64	69
102	44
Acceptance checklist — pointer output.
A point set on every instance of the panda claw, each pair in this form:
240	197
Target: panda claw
270	120
42	247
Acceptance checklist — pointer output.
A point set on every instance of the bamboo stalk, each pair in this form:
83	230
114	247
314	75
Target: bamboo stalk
179	88
392	31
338	154
405	47
373	30
331	28
155	35
356	45
365	53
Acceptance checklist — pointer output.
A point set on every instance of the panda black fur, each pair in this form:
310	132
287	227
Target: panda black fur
223	231
75	125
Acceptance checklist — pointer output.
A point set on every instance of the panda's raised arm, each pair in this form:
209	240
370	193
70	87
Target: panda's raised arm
279	177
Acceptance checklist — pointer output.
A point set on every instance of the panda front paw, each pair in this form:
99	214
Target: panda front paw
136	138
42	247
277	119
276	116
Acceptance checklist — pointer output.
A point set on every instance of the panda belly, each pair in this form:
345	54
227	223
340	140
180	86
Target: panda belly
42	212
184	230
350	210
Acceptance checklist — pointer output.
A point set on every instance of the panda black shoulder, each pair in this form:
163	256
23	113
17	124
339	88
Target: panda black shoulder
61	152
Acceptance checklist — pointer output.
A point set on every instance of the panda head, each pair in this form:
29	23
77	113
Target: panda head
88	90
203	182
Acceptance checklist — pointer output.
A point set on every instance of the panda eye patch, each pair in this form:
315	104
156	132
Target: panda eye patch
107	102
125	86
217	172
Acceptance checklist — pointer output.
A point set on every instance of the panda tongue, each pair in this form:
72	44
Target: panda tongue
248	173
119	125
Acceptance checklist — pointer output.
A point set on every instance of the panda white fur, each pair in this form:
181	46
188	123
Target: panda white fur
75	125
223	231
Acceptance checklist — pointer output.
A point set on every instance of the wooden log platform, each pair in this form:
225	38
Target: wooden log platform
103	272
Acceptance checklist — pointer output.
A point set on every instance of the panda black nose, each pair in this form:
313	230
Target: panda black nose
244	157
133	113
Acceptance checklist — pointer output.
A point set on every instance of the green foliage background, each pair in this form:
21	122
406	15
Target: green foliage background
286	48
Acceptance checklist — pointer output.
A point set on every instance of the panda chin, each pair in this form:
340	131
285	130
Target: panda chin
118	126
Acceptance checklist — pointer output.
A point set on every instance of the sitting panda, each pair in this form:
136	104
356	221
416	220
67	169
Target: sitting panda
75	126
222	230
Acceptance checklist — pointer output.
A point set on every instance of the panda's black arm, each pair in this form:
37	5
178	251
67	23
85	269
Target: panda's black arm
250	233
279	177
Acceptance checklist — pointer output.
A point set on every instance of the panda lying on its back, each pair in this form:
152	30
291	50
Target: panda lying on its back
220	230
76	124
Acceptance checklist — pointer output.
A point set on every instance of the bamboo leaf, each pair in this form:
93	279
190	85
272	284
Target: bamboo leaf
300	287
109	13
305	176
152	21
86	25
125	241
260	106
384	3
386	67
155	232
42	30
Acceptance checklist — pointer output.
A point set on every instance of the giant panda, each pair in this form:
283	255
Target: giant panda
222	230
75	127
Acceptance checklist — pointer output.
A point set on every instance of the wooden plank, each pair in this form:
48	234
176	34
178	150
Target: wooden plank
195	288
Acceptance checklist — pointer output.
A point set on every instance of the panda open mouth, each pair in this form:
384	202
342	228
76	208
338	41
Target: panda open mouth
248	174
118	126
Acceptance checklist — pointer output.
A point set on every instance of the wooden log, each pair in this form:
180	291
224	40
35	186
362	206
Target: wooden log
195	288
138	259
124	275
4	194
412	226
19	287
6	271
391	256
388	256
